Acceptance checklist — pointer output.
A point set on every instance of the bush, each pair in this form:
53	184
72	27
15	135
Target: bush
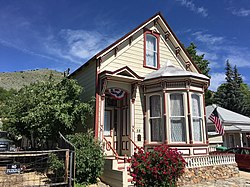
160	167
89	157
56	165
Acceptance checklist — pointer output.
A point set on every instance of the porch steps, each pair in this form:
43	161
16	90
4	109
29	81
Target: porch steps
117	173
126	168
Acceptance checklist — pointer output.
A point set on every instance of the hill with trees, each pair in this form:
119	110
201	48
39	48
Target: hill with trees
17	80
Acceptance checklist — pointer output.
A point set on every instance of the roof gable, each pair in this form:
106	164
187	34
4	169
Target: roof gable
169	36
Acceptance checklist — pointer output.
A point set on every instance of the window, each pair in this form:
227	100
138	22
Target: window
151	50
156	129
196	118
177	118
107	122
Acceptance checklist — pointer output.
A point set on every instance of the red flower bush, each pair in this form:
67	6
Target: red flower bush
160	167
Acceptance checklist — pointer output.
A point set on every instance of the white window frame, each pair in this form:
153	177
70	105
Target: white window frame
148	126
155	52
184	95
197	117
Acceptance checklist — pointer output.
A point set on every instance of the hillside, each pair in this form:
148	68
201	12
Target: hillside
18	79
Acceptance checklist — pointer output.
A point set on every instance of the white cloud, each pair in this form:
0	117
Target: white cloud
191	6
216	80
77	45
241	12
208	38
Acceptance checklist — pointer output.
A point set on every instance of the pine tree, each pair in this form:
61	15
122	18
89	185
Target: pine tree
229	95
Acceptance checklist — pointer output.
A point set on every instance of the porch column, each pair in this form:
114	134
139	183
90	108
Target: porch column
132	122
241	142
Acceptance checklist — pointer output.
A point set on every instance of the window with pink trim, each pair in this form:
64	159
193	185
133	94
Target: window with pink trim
151	50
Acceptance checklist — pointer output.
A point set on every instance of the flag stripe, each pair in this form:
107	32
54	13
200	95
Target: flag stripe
214	117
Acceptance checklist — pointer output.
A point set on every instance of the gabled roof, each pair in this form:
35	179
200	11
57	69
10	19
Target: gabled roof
156	18
173	71
227	116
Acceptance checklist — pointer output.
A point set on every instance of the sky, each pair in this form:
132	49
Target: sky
63	34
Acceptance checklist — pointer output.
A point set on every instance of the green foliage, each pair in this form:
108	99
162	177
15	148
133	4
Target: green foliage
5	95
89	157
204	68
198	59
230	95
160	167
40	110
56	165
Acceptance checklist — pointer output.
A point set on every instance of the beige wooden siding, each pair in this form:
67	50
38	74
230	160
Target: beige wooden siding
133	57
86	78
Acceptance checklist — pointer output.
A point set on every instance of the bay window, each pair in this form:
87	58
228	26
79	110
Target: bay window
156	128
177	118
196	118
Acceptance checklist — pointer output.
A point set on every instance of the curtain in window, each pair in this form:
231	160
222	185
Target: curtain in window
177	119
151	54
107	122
196	115
156	128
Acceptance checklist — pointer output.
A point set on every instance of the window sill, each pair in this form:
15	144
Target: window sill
151	67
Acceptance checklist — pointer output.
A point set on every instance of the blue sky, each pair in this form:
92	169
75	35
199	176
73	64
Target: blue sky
66	33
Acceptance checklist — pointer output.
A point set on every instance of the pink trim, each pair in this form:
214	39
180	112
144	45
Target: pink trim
157	35
200	149
96	127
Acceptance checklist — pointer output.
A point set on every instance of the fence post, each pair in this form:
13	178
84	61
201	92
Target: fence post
66	165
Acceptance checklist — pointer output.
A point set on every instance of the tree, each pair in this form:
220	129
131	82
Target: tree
198	59
89	157
204	68
230	95
40	110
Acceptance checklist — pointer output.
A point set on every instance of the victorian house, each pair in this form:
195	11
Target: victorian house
148	92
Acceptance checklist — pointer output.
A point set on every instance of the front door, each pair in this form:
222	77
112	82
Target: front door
116	124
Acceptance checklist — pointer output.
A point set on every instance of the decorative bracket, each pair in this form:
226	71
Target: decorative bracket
167	35
177	50
133	91
188	64
104	83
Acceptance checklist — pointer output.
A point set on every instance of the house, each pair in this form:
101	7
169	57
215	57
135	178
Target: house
236	127
148	92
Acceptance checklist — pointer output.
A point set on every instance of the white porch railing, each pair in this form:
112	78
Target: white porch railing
209	160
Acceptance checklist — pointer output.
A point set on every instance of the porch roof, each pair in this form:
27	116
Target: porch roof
170	70
228	116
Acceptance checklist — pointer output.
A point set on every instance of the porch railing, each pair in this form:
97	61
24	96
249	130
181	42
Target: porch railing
137	147
209	160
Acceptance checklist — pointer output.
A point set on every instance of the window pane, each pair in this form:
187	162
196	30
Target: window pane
155	106
107	122
197	130
176	104
151	51
196	110
178	130
151	42
156	130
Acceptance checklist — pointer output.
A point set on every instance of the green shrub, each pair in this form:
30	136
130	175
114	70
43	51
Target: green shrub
160	167
57	167
89	157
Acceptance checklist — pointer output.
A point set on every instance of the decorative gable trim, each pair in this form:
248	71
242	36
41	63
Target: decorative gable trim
158	20
124	72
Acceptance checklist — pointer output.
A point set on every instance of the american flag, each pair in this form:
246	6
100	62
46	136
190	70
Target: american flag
214	117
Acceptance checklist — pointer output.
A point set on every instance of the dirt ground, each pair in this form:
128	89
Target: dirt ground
28	178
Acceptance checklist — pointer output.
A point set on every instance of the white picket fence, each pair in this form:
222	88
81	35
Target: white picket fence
209	160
